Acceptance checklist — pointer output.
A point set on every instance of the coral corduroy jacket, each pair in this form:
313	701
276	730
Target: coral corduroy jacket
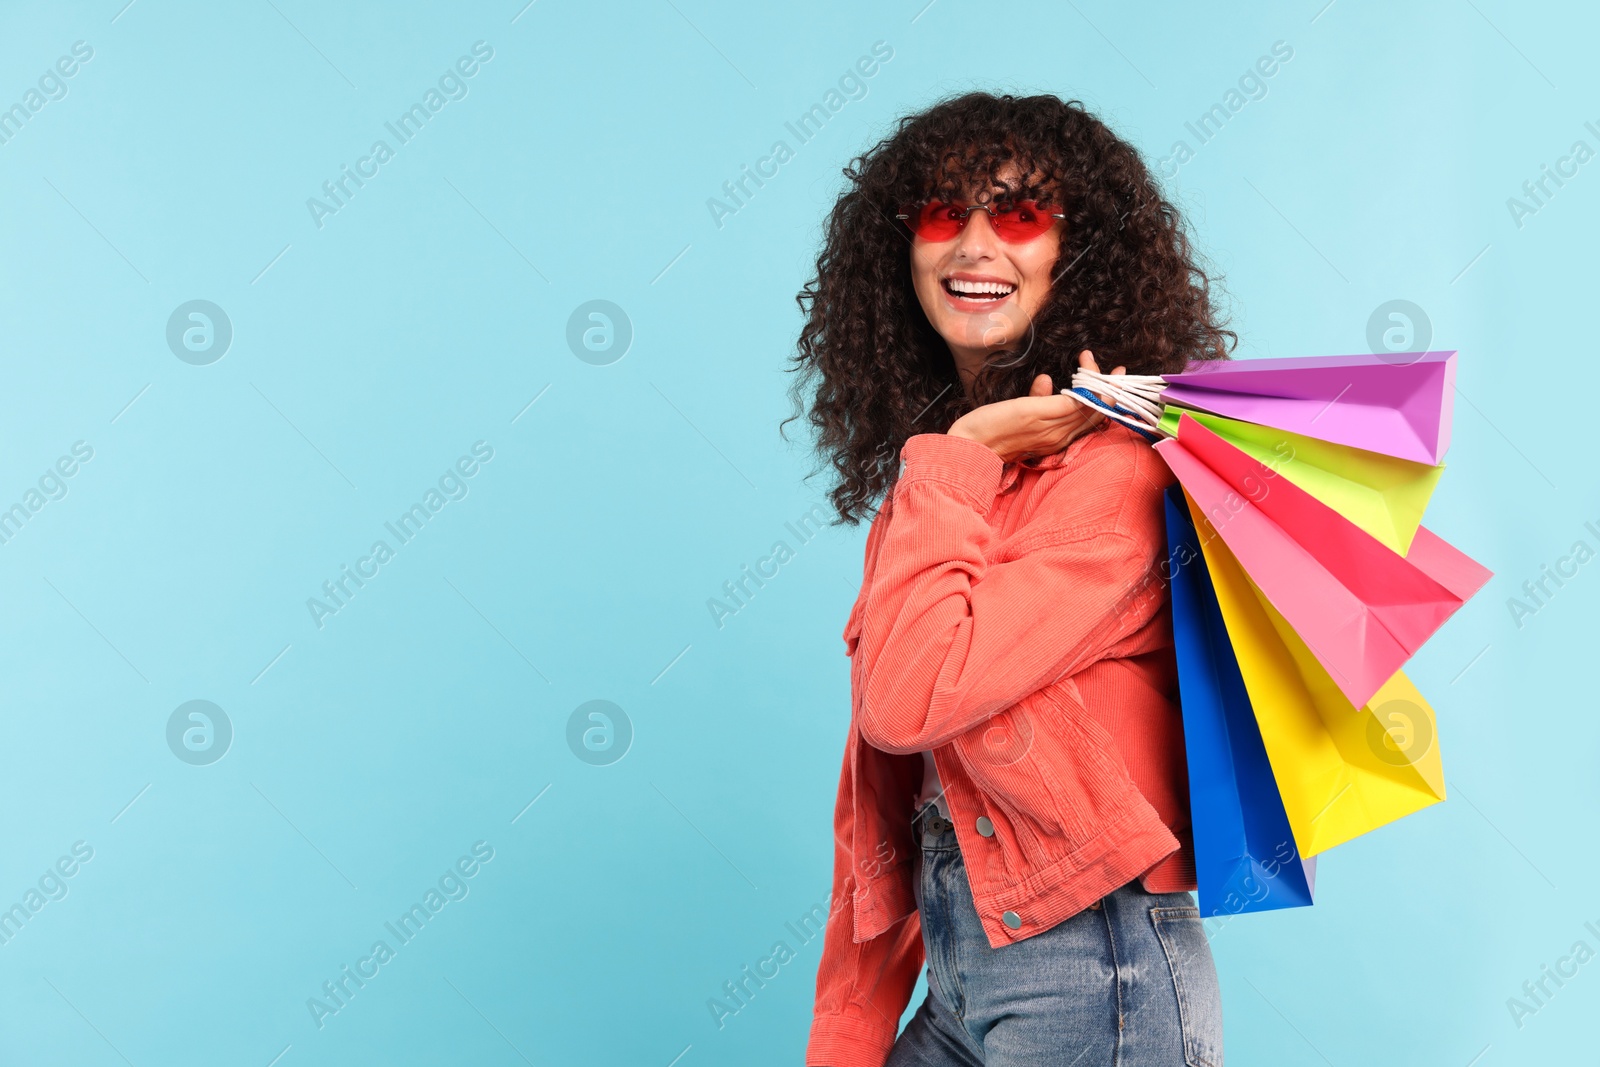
1013	618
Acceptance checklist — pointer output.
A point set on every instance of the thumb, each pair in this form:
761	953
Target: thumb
1041	386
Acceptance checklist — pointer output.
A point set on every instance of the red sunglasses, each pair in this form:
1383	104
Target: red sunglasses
1014	224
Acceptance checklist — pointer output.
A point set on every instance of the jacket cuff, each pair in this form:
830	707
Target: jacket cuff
847	1041
960	462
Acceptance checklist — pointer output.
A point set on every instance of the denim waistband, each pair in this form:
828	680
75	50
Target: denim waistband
934	832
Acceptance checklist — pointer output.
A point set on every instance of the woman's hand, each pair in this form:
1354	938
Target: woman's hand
1039	424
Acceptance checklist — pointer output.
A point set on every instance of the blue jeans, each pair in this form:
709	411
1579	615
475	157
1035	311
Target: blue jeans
1127	982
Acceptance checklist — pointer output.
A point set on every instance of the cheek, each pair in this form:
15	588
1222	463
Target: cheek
920	268
925	276
1039	271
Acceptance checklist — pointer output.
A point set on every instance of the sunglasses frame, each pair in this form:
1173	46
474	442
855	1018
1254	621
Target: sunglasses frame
966	212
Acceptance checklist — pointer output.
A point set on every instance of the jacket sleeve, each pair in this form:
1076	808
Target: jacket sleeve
863	987
953	635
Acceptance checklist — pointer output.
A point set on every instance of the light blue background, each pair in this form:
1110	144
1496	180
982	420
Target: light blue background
432	309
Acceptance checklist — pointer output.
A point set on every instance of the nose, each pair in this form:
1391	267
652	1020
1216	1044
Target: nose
977	239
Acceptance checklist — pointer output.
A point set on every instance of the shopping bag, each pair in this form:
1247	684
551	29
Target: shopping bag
1244	850
1362	608
1342	769
1399	404
1383	495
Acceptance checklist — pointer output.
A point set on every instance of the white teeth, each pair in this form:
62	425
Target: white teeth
957	285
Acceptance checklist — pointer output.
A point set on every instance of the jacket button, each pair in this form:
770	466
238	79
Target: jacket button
985	827
1011	919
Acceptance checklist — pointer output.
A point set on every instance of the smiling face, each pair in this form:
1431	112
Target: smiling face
981	293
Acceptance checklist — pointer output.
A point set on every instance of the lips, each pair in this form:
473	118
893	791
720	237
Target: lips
975	292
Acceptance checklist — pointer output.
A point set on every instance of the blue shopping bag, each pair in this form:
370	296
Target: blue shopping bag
1244	852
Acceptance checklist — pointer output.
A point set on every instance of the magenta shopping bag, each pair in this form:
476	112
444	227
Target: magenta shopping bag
1398	403
1361	608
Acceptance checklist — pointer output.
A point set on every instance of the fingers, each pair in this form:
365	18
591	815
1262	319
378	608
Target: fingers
1086	361
1103	396
1081	416
1056	426
1088	420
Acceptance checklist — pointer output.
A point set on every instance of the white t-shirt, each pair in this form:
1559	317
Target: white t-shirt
932	788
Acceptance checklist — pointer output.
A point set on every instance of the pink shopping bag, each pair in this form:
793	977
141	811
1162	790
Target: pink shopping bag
1361	608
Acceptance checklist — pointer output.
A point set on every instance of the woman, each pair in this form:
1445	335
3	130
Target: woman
1012	808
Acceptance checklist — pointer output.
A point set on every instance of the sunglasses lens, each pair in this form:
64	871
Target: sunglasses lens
1022	222
939	221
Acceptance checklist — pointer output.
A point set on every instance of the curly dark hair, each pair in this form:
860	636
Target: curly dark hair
1126	284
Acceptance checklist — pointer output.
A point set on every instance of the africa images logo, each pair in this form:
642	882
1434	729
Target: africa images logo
338	192
452	485
452	885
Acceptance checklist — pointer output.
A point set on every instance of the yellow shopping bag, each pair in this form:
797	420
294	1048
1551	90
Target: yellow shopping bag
1341	770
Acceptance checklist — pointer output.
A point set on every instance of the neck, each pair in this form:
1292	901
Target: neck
968	361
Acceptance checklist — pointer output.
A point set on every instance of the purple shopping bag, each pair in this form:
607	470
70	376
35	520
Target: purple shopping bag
1397	403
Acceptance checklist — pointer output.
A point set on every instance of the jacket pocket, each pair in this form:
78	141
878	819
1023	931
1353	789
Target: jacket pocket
1194	979
1082	764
